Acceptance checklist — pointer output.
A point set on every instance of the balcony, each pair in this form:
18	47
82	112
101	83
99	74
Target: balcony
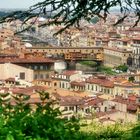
136	45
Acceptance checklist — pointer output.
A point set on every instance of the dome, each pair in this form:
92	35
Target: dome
28	45
59	66
41	19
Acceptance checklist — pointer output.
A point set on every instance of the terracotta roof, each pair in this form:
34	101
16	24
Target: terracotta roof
136	38
70	101
101	114
126	84
132	97
120	99
118	79
123	100
91	101
43	80
65	48
75	83
30	101
128	75
124	39
29	90
4	90
103	82
29	60
106	119
118	49
8	55
69	72
132	107
10	80
135	29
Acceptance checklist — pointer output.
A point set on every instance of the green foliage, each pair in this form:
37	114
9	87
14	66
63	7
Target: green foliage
98	131
2	13
89	63
70	12
110	132
106	70
94	20
122	68
136	132
131	79
21	122
17	83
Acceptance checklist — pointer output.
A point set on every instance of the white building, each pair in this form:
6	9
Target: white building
8	70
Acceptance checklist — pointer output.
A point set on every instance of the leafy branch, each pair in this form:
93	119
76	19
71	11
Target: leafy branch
70	12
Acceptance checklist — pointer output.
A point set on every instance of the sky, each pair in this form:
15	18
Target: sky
17	3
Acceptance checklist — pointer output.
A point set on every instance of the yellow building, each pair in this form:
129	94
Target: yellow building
115	56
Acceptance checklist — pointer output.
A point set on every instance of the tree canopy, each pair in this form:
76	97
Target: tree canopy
70	12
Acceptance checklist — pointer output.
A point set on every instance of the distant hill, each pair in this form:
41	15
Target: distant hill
2	14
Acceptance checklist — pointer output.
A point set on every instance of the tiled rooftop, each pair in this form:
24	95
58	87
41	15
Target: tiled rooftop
29	60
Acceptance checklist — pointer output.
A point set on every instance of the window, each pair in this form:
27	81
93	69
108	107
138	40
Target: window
96	88
88	86
35	67
108	90
71	108
63	86
55	84
47	76
22	75
41	76
41	67
49	83
30	67
66	85
35	76
125	43
66	108
87	110
45	67
92	87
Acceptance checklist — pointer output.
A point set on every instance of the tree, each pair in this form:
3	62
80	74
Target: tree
20	120
131	79
70	12
122	68
94	20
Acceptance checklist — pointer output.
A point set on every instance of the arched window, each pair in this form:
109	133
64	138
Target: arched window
55	84
63	85
41	76
129	61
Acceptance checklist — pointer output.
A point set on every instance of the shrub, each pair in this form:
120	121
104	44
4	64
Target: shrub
89	63
105	69
131	79
122	68
20	121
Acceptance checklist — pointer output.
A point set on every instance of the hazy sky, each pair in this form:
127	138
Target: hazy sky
17	3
